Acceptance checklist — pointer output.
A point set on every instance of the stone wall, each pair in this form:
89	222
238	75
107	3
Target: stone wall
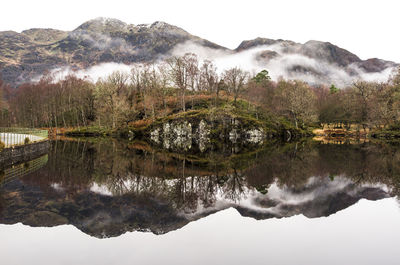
22	153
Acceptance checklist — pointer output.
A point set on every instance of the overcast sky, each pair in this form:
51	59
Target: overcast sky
367	28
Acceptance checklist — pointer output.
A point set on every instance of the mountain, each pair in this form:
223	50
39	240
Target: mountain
32	52
26	55
316	62
324	51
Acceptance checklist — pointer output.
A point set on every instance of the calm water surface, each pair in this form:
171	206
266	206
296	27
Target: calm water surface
108	202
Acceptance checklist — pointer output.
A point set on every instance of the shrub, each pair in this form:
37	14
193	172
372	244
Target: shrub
27	140
2	146
141	123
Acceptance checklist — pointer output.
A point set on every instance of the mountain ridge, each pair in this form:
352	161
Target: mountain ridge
36	51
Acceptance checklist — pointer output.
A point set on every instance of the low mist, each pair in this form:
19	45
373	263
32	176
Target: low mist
283	65
288	65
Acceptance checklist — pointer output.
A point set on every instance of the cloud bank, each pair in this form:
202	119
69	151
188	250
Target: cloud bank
280	63
289	65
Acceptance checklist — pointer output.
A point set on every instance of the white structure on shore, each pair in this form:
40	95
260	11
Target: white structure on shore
12	139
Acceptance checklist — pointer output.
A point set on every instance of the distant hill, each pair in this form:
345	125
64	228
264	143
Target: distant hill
328	63
33	52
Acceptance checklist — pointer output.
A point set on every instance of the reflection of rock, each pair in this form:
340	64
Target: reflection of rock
182	133
255	136
203	135
155	136
166	135
234	136
174	135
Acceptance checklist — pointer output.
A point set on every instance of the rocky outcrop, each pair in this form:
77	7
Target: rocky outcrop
183	135
248	44
266	56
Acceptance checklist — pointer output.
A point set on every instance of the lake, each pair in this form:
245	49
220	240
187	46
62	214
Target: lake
102	201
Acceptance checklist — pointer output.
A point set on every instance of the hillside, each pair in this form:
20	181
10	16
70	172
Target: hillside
316	62
26	55
35	51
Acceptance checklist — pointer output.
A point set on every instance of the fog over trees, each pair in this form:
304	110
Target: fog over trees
178	84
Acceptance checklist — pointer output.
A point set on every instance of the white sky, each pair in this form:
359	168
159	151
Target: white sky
366	28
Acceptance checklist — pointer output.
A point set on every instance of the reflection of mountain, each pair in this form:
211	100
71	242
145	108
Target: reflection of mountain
319	197
106	189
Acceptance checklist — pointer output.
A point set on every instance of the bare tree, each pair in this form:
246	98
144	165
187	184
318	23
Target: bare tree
119	80
296	100
180	74
111	99
363	92
192	68
235	79
164	81
208	76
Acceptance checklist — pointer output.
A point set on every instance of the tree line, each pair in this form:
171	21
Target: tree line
179	83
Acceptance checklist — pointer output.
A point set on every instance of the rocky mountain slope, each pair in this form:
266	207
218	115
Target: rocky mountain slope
35	51
316	62
30	53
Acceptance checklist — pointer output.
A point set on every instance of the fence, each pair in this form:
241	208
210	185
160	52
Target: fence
20	170
17	136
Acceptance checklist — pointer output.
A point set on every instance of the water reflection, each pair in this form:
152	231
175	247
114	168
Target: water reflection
19	170
106	188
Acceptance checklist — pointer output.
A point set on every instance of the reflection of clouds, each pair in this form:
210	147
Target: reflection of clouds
317	192
315	187
57	186
275	185
100	189
195	196
285	201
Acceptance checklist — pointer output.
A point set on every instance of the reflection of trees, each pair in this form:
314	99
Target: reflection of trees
1	202
233	188
189	184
